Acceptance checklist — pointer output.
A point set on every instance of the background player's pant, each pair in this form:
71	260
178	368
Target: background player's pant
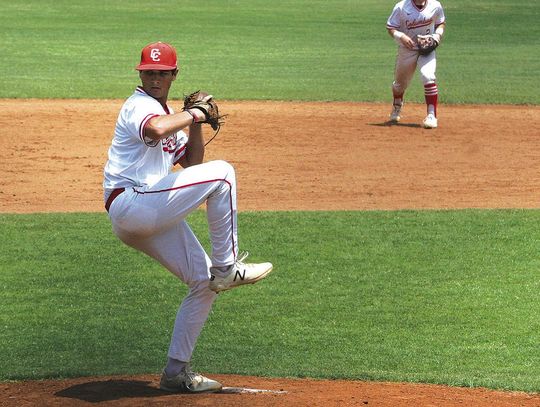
152	221
406	63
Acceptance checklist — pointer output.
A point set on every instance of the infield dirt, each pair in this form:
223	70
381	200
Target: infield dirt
288	156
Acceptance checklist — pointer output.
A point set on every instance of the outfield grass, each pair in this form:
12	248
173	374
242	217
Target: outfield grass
432	296
255	49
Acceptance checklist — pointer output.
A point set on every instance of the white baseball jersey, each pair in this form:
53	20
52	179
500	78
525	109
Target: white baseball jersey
134	160
408	18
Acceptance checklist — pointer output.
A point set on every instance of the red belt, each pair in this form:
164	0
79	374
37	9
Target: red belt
112	196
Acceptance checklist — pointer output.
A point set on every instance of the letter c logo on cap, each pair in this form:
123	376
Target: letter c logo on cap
154	54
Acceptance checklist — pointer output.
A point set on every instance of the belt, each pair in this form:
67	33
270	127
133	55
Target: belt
112	196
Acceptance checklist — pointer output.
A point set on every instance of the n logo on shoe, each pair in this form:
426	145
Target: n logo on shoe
242	275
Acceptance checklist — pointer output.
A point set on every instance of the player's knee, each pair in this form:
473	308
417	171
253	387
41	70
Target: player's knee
198	288
224	165
225	170
427	77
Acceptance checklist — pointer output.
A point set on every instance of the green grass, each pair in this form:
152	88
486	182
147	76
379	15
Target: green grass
255	49
431	296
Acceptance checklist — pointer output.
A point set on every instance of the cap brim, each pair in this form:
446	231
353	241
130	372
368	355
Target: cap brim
154	67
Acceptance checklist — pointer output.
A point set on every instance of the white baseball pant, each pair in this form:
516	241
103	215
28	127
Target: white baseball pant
406	63
152	220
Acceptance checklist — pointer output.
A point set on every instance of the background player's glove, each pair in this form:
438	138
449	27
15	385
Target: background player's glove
205	103
427	43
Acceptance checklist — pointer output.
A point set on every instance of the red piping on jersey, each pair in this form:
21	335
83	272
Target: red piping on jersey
146	119
144	122
199	183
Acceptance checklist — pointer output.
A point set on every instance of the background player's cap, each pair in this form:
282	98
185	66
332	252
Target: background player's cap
157	56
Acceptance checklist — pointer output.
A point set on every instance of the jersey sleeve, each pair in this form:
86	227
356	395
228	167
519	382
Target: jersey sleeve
138	115
394	21
439	17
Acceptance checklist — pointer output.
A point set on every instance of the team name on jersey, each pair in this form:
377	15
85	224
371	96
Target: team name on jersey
169	144
411	25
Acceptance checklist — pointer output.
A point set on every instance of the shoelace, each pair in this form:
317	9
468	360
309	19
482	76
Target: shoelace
194	378
241	257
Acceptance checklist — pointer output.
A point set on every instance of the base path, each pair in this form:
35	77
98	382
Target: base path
291	156
288	156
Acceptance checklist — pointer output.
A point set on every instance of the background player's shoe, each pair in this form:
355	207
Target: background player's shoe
239	273
395	116
430	122
188	381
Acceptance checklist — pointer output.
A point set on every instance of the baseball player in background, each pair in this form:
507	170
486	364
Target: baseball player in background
148	203
411	24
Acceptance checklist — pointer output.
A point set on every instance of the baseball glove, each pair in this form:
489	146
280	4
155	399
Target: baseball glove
426	44
205	103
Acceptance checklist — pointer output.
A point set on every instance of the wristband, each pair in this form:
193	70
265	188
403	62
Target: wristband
397	35
439	31
197	115
192	117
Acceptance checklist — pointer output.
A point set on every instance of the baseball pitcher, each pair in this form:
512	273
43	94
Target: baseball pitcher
148	203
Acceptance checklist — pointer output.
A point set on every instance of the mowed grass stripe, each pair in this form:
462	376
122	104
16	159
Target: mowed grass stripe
254	49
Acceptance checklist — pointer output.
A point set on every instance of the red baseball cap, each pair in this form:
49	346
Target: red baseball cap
157	56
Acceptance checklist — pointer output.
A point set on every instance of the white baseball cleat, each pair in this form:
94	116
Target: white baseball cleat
430	122
395	116
238	274
188	381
